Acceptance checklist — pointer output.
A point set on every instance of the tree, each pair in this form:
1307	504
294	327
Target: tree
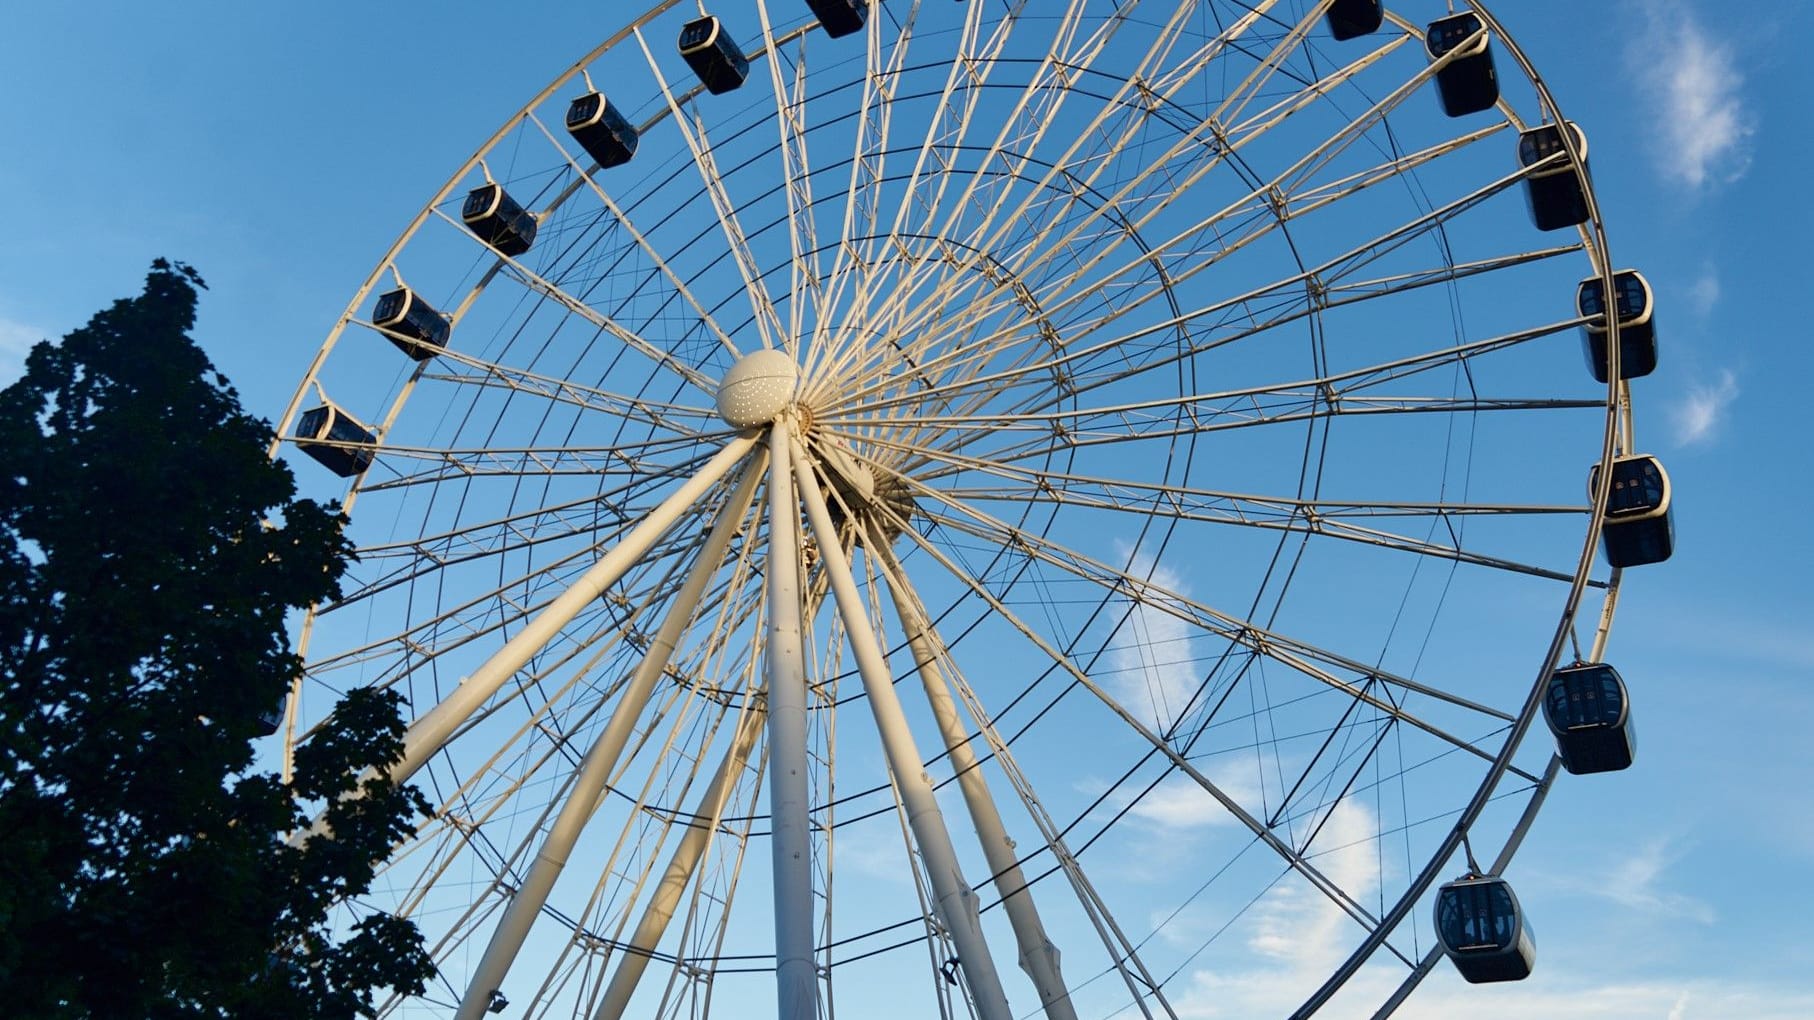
150	554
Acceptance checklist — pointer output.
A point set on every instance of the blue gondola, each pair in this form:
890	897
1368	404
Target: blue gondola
1470	83
1639	526
1555	193
411	323
606	134
1637	330
840	17
713	55
496	218
1483	931
335	439
1589	712
1351	19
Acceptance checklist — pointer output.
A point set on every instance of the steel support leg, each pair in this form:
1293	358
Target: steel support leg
796	974
956	904
1038	955
681	867
428	733
601	760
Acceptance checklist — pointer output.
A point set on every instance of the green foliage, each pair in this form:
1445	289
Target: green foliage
150	554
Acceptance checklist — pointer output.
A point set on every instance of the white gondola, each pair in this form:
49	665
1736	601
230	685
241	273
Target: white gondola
1634	303
599	128
496	218
1351	19
713	55
411	323
1470	82
1483	931
1588	710
1639	526
337	440
1554	190
840	17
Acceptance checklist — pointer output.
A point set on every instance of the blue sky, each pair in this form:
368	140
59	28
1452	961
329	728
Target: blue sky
280	153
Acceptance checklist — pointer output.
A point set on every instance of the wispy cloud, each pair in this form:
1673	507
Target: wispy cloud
1559	991
1699	416
16	339
1179	803
1637	883
1297	934
1152	670
1583	997
874	853
1300	925
1704	292
1693	82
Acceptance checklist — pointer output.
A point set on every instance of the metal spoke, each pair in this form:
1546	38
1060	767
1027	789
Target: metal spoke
533	281
1285	851
1283	649
768	321
625	223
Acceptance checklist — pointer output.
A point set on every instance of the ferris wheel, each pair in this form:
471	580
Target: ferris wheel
988	509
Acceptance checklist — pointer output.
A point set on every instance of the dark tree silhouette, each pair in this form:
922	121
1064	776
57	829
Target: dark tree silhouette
149	556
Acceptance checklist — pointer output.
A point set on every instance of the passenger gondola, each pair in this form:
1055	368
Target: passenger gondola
1556	194
496	218
335	439
1469	83
1351	19
411	323
271	719
1633	299
1639	527
1483	931
606	134
1589	712
713	55
840	17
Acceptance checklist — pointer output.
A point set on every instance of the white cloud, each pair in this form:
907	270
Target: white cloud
1179	803
1297	934
874	854
1636	883
1567	999
1555	991
1699	415
1694	85
16	339
1704	292
1151	665
1300	925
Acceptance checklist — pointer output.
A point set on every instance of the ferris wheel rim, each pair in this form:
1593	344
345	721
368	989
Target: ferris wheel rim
1597	246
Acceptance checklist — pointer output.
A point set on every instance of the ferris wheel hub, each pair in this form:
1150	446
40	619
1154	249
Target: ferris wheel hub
757	388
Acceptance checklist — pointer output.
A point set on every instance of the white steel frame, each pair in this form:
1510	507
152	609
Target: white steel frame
980	297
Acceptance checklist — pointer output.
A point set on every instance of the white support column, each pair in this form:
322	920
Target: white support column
431	730
1038	955
601	760
681	866
956	903
796	973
